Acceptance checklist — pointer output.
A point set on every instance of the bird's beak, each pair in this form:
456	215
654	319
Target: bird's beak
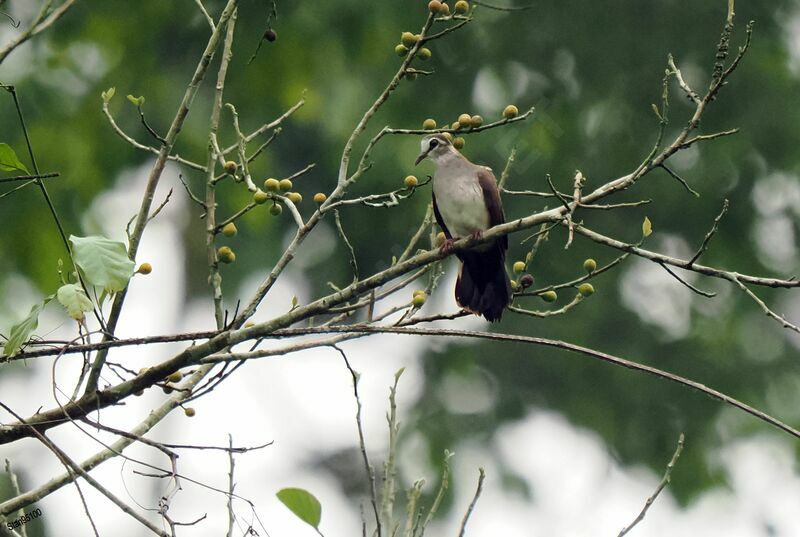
421	157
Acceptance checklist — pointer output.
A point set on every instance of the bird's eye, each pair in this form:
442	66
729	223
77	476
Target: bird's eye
434	143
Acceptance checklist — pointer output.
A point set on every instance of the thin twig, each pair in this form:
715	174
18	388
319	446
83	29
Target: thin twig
710	234
681	180
362	444
471	508
205	14
706	294
664	482
501	8
351	251
28	177
231	485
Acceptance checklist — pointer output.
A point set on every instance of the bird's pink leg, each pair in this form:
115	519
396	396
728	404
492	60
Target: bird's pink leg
447	245
476	235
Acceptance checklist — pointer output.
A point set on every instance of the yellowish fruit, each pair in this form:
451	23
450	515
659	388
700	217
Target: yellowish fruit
519	266
410	181
229	229
456	125
429	124
260	197
145	268
476	121
286	185
294	197
514	285
465	120
440	238
231	167
586	289
418	300
408	39
444	10
226	255
458	143
462	6
189	412
590	265
276	209
401	50
434	6
320	198
549	296
177	376
424	53
272	185
420	292
448	136
510	112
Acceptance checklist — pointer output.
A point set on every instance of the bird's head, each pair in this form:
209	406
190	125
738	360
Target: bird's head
435	147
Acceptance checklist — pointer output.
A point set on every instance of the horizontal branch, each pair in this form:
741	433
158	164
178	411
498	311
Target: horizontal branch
28	177
685	264
563	345
470	130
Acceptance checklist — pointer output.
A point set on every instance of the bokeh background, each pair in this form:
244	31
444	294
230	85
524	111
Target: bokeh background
571	447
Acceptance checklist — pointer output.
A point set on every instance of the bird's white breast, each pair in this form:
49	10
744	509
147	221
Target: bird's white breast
459	197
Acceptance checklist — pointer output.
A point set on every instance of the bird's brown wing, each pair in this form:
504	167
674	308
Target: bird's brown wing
491	197
439	219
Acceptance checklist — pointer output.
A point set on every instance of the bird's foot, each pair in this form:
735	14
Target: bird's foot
476	235
447	246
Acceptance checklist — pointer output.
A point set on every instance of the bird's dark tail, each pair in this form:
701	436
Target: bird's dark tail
483	286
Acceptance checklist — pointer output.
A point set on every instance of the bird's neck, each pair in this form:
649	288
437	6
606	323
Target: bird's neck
449	158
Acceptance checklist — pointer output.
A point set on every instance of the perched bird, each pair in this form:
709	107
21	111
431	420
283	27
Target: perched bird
466	202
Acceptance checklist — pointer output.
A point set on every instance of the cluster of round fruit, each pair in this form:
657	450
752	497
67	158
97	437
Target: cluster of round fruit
526	280
274	186
440	7
465	122
407	41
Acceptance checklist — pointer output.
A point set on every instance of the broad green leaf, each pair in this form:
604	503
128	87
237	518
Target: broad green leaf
21	332
9	161
647	227
303	504
74	299
103	262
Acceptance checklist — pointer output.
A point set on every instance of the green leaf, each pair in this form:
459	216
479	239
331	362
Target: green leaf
74	299
303	504
103	262
108	94
21	332
647	227
9	161
656	112
136	101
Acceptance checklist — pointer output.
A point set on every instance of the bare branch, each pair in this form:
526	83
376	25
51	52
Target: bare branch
664	482
471	508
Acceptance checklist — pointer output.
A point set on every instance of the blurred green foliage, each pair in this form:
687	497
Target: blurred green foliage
592	71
